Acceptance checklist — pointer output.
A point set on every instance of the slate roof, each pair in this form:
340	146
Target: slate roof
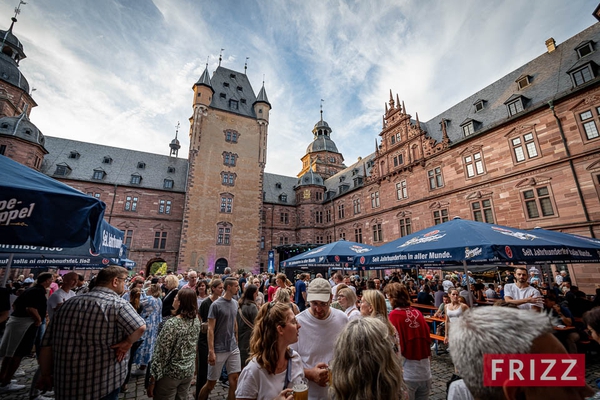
21	127
232	85
124	164
10	72
272	190
348	176
549	81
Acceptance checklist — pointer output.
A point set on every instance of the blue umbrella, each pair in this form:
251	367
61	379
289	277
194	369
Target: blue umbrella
469	242
338	254
37	210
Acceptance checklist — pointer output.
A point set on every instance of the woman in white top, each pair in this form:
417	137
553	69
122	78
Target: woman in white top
274	366
347	300
453	310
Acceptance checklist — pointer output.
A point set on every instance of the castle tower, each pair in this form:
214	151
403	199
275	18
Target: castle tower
20	139
228	145
322	155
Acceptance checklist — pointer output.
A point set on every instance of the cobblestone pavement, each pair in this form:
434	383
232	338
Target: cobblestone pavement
441	368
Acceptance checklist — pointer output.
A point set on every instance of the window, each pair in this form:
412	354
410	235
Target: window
141	165
229	159
319	239
224	234
440	216
160	240
98	174
283	198
401	190
284	218
375	199
405	227
283	240
515	107
328	215
226	204
356	205
392	139
228	178
584	49
233	104
474	164
319	196
340	211
231	136
523	82
342	235
171	170
468	129
435	178
358	235
222	95
329	238
3	149
524	147
538	203
131	203
377	233
482	211
398	160
225	84
319	217
136	179
62	170
239	88
588	123
164	207
74	155
582	75
128	237
107	160
168	184
478	105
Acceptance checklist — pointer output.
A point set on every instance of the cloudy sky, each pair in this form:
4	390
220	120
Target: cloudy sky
120	72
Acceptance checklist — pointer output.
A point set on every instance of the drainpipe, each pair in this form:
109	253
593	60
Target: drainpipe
113	203
568	153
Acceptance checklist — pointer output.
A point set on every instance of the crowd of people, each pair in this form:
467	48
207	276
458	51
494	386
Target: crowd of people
263	336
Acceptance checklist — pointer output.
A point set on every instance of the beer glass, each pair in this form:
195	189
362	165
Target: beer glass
300	388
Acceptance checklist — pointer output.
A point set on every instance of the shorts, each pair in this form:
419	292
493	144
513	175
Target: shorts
231	360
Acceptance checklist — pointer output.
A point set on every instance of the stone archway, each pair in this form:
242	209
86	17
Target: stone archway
153	265
220	265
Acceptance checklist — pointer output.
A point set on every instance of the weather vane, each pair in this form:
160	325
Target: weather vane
220	54
322	101
246	65
18	8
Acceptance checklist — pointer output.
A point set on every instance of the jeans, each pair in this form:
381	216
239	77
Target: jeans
418	390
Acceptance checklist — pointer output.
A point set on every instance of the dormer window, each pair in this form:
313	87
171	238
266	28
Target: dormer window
241	89
222	95
136	179
225	84
168	184
171	170
141	165
515	104
243	101
469	126
283	198
479	105
233	104
27	131
278	185
4	126
583	74
342	178
62	169
584	49
74	155
99	174
107	160
523	82
232	76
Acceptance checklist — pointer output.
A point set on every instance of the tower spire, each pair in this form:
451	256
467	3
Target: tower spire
246	68
391	100
17	12
220	56
174	145
322	101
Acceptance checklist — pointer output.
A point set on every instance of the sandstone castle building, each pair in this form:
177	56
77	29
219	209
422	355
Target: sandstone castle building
523	152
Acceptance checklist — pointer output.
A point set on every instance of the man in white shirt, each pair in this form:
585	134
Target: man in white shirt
338	279
490	293
63	294
447	283
321	325
521	293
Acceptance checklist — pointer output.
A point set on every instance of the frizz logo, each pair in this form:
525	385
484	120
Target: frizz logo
534	370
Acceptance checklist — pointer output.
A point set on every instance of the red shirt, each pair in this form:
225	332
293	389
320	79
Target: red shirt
413	333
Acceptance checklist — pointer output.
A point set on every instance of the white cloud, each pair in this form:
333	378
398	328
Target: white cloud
120	73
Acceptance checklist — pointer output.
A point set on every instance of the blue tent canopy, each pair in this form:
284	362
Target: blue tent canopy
338	254
469	242
37	210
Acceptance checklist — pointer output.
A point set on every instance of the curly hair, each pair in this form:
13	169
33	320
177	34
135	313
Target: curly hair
188	303
356	377
263	343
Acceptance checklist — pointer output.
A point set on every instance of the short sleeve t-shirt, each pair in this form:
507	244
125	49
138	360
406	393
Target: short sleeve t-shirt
256	383
224	311
511	290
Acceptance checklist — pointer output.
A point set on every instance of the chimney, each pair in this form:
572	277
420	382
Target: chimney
551	45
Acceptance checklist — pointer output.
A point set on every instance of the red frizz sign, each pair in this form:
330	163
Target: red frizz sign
534	370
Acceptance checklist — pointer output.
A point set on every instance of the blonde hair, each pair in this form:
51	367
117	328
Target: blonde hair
171	281
349	295
377	301
356	377
282	295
